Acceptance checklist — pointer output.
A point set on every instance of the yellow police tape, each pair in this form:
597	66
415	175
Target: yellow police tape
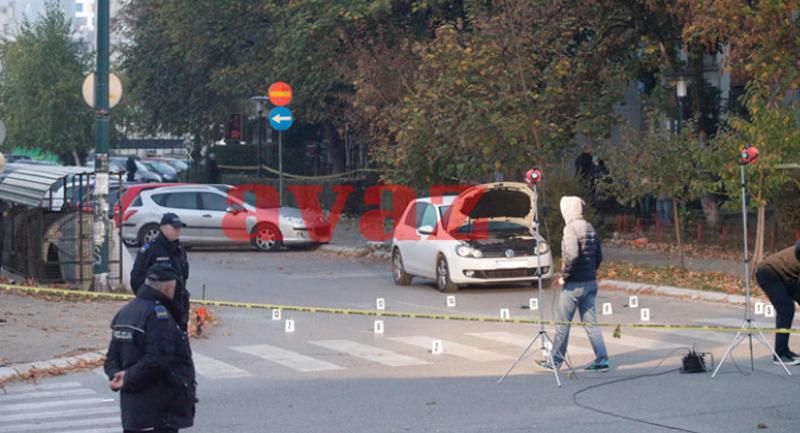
391	314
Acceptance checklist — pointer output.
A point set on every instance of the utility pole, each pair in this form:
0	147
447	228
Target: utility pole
101	223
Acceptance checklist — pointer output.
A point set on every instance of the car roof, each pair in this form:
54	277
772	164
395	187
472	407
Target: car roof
184	188
446	200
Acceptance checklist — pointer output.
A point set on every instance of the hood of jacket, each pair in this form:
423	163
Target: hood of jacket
572	208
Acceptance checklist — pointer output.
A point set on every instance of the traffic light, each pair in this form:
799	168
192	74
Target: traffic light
233	131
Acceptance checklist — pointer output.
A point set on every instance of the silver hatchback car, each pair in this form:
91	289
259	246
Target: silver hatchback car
216	218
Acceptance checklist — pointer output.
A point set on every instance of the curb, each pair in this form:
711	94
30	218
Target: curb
378	251
14	372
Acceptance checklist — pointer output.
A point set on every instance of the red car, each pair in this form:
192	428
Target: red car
130	194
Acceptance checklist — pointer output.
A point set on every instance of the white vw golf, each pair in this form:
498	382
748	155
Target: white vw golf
482	236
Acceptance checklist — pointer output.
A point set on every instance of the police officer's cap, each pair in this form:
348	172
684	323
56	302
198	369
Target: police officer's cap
170	218
162	272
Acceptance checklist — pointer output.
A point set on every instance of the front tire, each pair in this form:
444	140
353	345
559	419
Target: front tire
401	278
267	237
443	282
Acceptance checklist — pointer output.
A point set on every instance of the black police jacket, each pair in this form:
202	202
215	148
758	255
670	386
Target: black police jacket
162	250
148	345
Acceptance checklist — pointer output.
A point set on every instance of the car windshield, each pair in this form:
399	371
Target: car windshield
161	166
495	228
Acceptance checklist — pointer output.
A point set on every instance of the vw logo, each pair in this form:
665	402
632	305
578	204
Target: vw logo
509	253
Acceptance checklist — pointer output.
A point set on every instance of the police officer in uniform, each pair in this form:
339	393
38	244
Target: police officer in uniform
166	249
149	360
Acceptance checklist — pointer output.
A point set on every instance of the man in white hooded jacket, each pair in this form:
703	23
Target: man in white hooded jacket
581	257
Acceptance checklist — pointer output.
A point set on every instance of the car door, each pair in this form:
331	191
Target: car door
416	257
427	247
186	206
220	225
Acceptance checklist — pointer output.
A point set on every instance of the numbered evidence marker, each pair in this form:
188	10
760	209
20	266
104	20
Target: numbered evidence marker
769	310
533	303
633	302
289	325
645	314
380	304
379	327
759	308
607	309
505	314
436	347
451	301
276	314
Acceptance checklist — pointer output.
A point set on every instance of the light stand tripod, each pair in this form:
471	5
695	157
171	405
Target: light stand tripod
749	328
542	336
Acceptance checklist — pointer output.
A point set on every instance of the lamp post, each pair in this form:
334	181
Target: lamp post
261	102
680	91
102	121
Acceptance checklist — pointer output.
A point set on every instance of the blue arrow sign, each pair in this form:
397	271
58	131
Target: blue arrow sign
281	118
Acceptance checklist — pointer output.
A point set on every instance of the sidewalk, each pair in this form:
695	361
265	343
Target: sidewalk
347	234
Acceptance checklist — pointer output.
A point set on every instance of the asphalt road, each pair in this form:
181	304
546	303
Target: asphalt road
334	374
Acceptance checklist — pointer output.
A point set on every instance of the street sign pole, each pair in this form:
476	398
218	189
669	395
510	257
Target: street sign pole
280	169
101	91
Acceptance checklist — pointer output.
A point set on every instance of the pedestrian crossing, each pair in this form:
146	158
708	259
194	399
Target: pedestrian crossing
330	355
63	407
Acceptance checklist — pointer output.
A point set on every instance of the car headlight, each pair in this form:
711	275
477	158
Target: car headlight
542	247
467	251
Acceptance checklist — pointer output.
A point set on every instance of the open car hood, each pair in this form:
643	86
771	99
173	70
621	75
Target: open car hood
500	201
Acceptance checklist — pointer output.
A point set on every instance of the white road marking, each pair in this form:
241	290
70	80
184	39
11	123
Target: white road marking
213	369
370	353
52	404
97	430
293	360
520	340
59	413
51	426
46	394
455	349
41	387
629	341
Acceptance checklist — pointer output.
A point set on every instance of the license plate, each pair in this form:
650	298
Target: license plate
509	264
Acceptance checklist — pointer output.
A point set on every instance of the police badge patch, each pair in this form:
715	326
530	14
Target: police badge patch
161	312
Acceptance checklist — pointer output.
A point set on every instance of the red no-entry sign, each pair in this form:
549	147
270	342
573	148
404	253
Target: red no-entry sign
280	94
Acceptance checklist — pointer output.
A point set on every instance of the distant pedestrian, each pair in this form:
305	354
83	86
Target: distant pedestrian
130	168
166	248
212	169
664	208
149	360
581	257
584	166
779	277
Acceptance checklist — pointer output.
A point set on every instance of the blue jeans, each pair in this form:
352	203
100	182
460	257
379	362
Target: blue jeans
580	296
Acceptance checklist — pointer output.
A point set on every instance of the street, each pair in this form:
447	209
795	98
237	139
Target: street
334	374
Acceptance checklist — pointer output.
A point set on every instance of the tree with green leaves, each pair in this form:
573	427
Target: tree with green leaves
656	161
773	128
41	73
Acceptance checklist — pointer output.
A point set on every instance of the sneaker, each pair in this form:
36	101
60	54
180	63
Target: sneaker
546	365
787	360
598	367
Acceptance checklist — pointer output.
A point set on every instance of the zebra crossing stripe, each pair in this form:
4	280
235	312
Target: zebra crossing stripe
287	358
455	349
524	340
59	413
213	369
42	387
51	426
46	394
52	404
632	342
370	353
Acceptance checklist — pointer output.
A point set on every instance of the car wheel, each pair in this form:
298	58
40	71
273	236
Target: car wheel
267	237
443	282
401	278
148	233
